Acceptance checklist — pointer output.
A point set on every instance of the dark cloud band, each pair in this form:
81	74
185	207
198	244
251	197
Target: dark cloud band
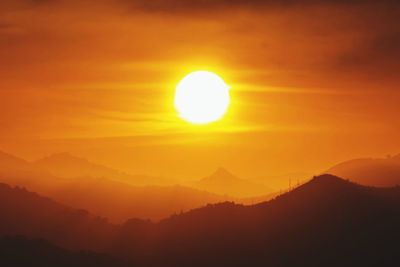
198	5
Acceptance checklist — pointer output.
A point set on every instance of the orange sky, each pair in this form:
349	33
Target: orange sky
312	84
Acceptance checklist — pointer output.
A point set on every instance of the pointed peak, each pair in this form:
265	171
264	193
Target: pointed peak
222	171
221	175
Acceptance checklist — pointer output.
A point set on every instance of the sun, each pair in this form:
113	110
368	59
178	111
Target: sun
202	97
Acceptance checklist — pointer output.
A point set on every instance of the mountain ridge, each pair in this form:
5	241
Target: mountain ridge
327	221
382	172
67	165
223	182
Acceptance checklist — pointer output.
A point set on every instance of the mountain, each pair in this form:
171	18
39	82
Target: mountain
325	222
368	171
120	201
67	165
225	183
19	251
11	165
16	171
12	162
29	214
103	195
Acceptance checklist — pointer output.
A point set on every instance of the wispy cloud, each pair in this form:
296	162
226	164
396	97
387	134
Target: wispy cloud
210	5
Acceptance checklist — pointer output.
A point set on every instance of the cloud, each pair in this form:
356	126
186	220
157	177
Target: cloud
383	47
12	4
199	5
372	50
5	27
378	51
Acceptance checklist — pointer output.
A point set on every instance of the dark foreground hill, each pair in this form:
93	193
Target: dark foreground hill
29	214
326	222
23	252
100	189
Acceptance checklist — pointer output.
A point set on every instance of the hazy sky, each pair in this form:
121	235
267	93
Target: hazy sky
312	83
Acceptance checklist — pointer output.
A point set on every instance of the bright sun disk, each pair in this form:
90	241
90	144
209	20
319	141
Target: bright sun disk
202	97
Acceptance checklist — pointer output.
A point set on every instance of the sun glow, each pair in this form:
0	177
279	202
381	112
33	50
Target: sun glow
202	97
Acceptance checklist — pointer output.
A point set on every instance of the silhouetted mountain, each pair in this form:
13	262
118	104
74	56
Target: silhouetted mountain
26	213
67	165
225	183
16	171
373	172
119	201
325	222
107	197
12	162
22	252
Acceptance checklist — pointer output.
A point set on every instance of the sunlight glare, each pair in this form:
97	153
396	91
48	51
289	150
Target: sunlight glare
202	97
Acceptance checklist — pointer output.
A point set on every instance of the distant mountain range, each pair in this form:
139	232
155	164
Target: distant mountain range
67	165
327	221
12	162
16	171
225	183
86	185
27	213
119	201
107	196
382	172
18	251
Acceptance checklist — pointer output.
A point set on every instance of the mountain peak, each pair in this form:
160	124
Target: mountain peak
328	178
325	184
224	182
221	175
222	172
329	181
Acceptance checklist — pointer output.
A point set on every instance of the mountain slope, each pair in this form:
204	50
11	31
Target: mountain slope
16	171
67	165
27	213
120	201
23	252
326	222
104	196
225	183
12	162
373	172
